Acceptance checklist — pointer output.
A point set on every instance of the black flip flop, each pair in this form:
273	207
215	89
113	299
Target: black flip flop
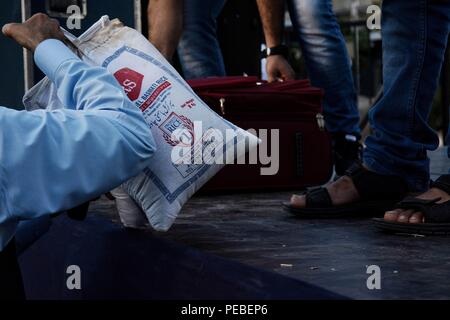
437	215
378	193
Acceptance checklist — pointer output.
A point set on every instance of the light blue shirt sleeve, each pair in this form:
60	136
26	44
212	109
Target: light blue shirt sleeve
51	161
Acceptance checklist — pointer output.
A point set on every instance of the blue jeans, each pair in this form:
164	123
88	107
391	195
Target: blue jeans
327	61
415	37
199	50
322	43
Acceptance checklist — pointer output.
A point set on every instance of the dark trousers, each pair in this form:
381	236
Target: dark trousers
11	284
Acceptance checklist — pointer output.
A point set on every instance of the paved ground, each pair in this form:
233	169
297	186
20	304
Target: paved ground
253	229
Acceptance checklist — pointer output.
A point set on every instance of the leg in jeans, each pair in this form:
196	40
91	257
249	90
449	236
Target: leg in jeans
415	36
327	61
328	64
199	49
437	190
11	285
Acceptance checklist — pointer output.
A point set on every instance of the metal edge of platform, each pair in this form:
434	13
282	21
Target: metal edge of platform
120	264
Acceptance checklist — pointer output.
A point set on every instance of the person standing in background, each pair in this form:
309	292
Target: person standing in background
189	26
328	65
394	177
165	25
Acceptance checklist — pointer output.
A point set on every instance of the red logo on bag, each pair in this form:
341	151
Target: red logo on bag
131	81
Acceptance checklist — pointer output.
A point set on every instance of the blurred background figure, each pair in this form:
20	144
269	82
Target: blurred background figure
191	27
199	50
328	64
165	25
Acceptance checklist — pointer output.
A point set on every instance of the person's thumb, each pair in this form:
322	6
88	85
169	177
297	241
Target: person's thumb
8	29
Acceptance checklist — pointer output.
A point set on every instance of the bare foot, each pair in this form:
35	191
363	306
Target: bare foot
411	216
342	192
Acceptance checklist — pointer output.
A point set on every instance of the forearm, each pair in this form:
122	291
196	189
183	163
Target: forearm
272	18
79	85
165	25
88	88
54	161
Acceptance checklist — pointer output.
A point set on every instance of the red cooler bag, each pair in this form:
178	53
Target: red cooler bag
294	108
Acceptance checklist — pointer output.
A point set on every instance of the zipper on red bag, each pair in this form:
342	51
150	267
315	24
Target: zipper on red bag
220	105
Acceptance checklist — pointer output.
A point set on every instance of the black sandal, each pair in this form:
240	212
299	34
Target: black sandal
437	216
378	193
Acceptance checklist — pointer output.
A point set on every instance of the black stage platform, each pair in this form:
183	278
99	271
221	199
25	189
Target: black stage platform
237	246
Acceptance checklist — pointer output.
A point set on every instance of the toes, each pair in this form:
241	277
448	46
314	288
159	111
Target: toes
404	216
416	217
392	216
298	201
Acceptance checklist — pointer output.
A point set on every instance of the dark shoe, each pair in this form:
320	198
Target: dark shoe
378	193
437	216
347	151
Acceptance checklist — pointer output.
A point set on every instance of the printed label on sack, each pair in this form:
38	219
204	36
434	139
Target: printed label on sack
168	104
